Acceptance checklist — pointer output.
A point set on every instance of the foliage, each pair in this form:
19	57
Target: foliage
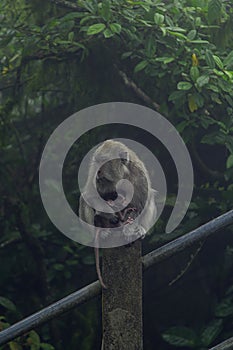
30	340
210	333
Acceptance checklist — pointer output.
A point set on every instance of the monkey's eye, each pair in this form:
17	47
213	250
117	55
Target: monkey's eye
124	156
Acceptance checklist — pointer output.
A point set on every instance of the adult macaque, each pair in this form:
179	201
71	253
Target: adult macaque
111	163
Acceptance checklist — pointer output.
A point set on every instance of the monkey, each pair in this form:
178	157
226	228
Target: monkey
113	161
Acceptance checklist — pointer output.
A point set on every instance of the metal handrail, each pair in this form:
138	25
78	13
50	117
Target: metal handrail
59	307
92	290
226	345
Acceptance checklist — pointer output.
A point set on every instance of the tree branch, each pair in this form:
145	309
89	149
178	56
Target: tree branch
67	4
138	91
213	173
10	242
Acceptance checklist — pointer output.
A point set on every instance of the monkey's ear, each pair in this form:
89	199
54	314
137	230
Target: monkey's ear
124	157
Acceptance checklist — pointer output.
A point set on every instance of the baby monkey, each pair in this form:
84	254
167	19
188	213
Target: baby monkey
112	162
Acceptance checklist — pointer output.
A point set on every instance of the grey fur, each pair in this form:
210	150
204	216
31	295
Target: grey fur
129	167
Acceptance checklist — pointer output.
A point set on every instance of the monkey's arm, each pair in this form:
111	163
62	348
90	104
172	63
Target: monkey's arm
86	213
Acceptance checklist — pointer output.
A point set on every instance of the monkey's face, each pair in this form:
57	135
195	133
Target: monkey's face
112	171
109	174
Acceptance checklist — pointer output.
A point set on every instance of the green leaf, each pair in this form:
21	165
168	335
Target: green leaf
184	85
206	122
215	98
218	62
209	59
7	304
169	21
211	332
176	95
144	5
168	59
71	36
150	46
218	73
45	346
164	31
140	66
115	28
180	336
106	10
87	18
225	308
108	33
14	346
96	28
90	6
225	85
192	103
230	161
191	35
228	61
213	88
165	59
34	340
178	35
180	128
146	23
229	144
158	19
199	41
177	29
214	10
194	73
229	100
74	43
63	42
198	21
199	100
70	16
58	267
203	80
229	74
126	55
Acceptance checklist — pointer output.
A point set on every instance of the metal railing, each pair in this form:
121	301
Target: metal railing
92	290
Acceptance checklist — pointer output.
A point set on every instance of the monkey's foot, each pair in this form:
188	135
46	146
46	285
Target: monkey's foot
133	231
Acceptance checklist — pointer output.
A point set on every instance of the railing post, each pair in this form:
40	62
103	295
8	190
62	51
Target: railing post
122	301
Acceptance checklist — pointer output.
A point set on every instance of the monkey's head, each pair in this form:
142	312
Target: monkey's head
114	157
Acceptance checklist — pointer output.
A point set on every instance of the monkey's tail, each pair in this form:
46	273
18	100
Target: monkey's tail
97	261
